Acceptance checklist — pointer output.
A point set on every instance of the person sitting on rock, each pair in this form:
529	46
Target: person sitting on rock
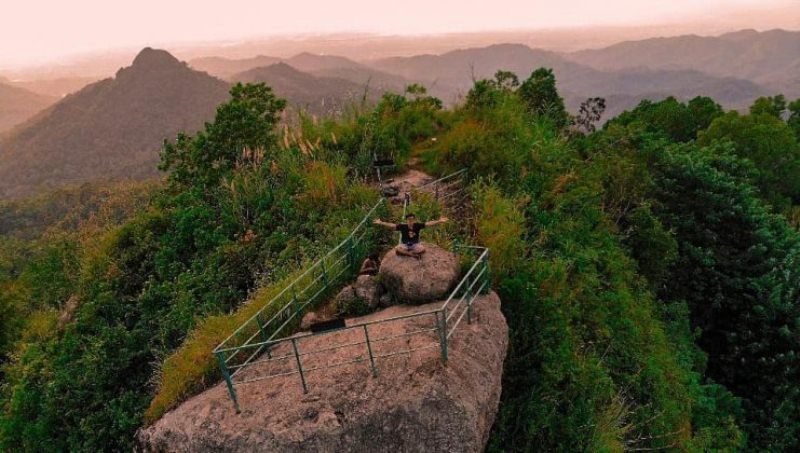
409	234
370	265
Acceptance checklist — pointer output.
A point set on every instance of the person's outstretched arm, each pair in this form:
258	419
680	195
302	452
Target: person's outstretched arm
436	222
380	222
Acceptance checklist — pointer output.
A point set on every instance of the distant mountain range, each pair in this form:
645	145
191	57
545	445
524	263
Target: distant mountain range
450	76
224	68
110	129
303	90
317	65
114	128
18	104
57	87
770	58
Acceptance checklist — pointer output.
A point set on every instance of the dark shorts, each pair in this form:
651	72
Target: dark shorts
411	247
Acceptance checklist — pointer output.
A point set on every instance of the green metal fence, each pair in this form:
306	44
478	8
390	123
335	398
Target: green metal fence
269	356
256	336
260	348
447	187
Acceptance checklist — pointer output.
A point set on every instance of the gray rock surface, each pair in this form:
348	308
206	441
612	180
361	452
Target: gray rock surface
412	280
347	294
414	404
312	318
367	288
385	300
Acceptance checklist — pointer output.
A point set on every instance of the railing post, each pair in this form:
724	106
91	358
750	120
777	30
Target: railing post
299	365
295	302
468	295
369	350
324	272
441	320
264	336
486	273
227	376
351	253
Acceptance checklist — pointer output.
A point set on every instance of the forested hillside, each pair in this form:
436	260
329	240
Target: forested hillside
648	269
110	129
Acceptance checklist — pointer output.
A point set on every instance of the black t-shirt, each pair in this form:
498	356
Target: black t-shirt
409	235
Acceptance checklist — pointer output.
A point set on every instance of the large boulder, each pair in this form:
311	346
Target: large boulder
413	404
412	280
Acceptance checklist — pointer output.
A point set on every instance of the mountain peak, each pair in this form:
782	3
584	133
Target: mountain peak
282	67
150	58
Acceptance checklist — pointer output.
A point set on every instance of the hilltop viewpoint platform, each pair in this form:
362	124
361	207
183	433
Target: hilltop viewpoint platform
413	401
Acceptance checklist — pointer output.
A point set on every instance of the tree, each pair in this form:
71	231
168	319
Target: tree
487	94
671	118
703	111
541	96
770	145
246	121
794	117
506	80
736	272
416	90
769	105
590	112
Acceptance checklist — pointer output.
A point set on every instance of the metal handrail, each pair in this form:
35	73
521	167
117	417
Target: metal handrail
444	178
478	272
291	285
328	270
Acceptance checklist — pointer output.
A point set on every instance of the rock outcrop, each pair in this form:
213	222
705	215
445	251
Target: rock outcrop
411	280
368	289
414	404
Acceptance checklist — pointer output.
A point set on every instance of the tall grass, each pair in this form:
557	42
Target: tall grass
192	367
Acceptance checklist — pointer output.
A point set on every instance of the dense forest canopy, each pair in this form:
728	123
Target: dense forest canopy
649	269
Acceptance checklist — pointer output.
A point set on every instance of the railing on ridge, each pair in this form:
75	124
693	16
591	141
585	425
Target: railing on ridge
255	336
440	187
437	326
256	344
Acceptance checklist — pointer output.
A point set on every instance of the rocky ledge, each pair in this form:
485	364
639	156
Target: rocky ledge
415	403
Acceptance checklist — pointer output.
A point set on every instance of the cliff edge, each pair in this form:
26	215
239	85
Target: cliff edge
415	403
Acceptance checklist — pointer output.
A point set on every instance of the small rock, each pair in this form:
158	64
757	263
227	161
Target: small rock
311	414
326	313
367	288
385	300
390	191
346	294
309	319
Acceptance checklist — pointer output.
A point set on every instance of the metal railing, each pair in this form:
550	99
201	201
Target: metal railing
441	188
255	336
364	342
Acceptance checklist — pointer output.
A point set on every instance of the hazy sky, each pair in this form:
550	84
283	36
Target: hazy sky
33	31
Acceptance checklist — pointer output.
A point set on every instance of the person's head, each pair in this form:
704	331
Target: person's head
411	218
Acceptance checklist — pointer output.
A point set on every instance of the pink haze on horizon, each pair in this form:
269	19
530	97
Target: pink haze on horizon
38	31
